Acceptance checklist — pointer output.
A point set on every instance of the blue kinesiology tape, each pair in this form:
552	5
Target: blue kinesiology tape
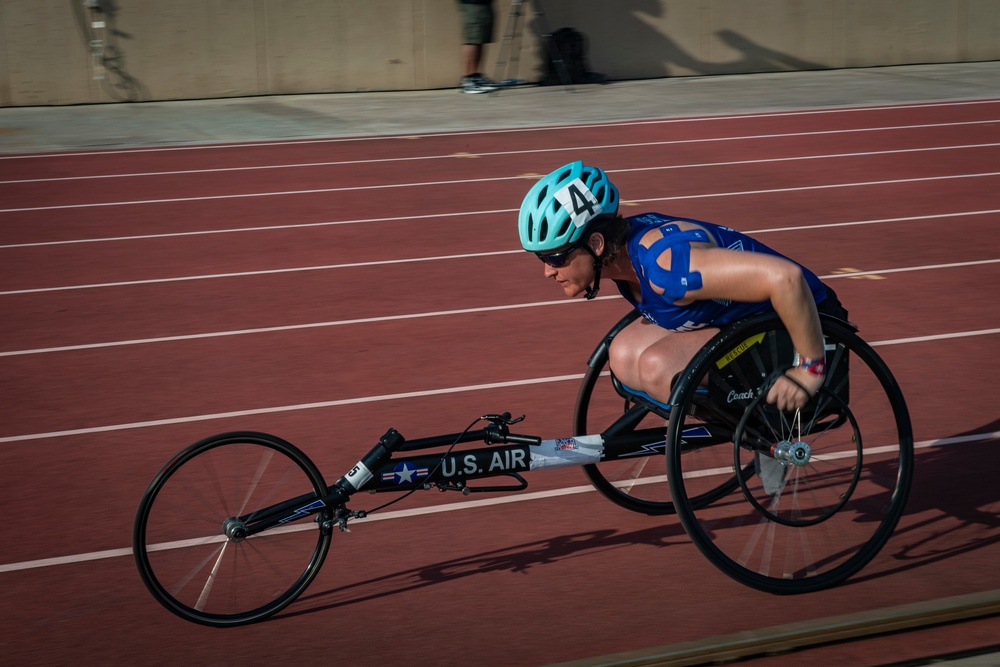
679	280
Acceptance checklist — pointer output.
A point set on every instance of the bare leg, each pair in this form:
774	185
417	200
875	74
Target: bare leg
647	357
472	55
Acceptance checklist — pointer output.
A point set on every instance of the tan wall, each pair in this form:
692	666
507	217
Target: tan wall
181	49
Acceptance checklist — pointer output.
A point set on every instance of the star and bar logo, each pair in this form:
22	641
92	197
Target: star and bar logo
404	473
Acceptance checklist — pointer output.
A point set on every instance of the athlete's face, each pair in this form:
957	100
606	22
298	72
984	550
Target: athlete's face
575	275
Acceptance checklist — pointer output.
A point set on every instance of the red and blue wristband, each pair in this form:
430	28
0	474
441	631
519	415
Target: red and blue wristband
815	366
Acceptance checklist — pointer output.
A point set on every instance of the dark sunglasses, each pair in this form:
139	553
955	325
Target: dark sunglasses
556	260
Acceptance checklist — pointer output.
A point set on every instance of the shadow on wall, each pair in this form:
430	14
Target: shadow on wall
624	28
102	39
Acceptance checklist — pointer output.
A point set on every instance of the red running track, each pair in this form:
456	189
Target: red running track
327	290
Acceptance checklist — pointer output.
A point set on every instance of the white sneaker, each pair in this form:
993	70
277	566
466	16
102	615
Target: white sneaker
477	83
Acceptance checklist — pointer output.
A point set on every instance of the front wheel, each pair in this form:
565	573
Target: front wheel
192	558
826	484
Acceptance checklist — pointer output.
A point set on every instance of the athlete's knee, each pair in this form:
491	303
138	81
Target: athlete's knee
656	369
623	358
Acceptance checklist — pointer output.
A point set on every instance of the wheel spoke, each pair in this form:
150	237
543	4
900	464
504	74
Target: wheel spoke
829	480
245	578
207	588
182	583
265	459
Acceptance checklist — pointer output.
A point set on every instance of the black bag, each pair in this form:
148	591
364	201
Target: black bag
565	59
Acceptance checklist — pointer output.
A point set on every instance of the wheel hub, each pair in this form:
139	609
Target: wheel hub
796	453
234	529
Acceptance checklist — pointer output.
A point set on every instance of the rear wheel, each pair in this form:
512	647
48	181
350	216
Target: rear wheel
825	486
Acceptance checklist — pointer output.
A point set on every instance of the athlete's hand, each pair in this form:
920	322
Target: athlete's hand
791	394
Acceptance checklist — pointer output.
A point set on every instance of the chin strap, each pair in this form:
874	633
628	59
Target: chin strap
592	290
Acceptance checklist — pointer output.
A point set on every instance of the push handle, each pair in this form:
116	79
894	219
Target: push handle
514	439
497	432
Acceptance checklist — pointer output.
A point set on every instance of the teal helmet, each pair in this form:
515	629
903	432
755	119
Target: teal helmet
558	207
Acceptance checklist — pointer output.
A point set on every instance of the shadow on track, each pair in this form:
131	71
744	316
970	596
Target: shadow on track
954	505
520	558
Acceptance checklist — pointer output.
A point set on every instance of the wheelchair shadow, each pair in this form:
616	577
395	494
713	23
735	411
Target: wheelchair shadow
956	498
520	558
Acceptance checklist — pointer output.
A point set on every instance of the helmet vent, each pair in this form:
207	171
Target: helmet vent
542	192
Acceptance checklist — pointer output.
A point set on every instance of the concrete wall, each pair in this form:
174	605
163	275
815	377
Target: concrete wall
187	49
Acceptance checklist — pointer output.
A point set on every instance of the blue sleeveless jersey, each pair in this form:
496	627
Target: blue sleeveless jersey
658	309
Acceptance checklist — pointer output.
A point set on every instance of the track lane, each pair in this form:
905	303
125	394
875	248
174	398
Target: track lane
334	180
534	557
193	372
156	257
538	564
90	189
493	140
646	191
190	307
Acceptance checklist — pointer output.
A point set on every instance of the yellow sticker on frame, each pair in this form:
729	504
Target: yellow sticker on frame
738	350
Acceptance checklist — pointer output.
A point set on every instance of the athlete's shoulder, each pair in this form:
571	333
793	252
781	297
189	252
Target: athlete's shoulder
650	219
653	218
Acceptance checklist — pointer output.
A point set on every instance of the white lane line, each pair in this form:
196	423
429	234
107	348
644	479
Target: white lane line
410	316
408	513
355	265
308	325
513	130
392	186
907	269
244	274
391	397
303	225
462	214
877	221
293	408
925	339
644	144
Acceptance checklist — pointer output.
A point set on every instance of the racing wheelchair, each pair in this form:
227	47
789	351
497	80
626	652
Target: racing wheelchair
235	527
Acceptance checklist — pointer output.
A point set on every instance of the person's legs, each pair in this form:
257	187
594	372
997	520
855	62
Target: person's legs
477	30
646	357
472	56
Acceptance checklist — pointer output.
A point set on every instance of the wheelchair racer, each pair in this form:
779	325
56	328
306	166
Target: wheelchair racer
686	277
